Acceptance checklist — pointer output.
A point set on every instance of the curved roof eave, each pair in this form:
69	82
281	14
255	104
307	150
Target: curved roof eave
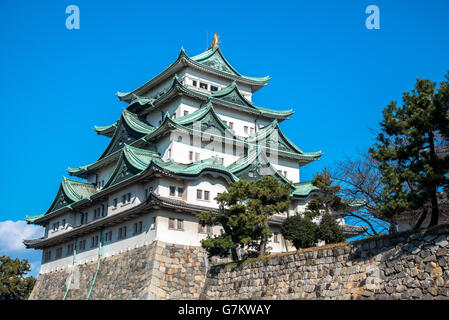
184	60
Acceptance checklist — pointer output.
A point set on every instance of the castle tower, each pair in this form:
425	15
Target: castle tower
184	136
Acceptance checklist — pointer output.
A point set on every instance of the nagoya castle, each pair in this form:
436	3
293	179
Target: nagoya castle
183	137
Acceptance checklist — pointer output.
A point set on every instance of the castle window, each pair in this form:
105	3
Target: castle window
47	256
138	227
84	217
180	192
94	241
203	85
245	129
58	253
175	224
276	237
222	161
213	88
153	225
186	112
231	125
197	156
69	249
206	195
82	245
172	191
191	155
171	223
285	174
199	194
251	130
108	236
122	233
169	154
204	229
63	223
114	202
126	198
194	83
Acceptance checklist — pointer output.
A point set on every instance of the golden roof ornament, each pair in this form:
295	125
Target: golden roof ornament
215	42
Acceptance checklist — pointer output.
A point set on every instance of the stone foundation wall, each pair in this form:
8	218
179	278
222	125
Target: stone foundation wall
405	266
411	265
156	271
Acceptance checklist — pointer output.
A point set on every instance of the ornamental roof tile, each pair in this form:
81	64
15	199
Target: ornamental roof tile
211	61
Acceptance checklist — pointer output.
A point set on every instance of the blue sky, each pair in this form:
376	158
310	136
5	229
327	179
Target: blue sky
337	75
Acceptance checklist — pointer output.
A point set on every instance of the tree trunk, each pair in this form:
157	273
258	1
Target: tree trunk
433	196
421	219
263	245
264	240
435	211
392	227
234	254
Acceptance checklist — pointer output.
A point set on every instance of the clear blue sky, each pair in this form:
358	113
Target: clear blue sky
337	75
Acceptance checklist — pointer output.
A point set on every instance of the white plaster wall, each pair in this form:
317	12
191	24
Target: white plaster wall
188	74
151	230
289	165
69	218
109	248
155	91
135	190
180	151
205	182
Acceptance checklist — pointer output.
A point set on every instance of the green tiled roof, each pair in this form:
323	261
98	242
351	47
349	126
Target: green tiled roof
285	145
69	191
128	129
211	60
77	190
107	131
229	96
303	189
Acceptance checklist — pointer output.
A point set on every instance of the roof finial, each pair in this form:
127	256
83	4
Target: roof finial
215	42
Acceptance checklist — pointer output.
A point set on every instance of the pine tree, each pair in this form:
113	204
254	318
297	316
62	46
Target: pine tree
13	283
244	212
412	171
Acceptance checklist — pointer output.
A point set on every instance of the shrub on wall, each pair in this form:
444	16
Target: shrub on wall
329	231
301	231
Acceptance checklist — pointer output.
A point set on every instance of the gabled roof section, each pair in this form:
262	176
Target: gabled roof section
69	191
129	164
272	138
135	161
129	129
208	118
211	61
254	166
214	59
205	119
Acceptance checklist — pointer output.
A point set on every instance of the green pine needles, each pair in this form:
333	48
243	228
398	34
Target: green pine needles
244	212
410	150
